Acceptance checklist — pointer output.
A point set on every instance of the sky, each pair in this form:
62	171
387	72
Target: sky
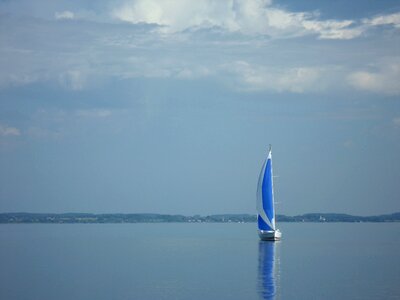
136	106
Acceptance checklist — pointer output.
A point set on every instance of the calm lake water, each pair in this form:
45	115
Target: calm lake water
199	261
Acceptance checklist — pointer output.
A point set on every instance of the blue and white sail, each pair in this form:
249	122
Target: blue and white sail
265	197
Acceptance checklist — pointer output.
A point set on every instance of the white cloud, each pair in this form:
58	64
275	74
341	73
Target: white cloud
245	16
9	131
295	80
392	19
64	15
385	79
332	29
179	15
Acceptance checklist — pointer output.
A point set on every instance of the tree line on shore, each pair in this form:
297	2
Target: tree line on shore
166	218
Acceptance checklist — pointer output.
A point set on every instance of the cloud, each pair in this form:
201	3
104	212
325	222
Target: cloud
9	131
245	16
392	19
64	15
251	43
384	79
178	15
262	78
332	29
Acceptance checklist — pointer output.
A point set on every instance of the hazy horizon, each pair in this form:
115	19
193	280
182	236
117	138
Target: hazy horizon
187	215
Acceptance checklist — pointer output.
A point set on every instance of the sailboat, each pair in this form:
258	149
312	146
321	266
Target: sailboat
265	203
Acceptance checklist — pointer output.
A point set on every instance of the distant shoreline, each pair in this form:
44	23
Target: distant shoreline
87	218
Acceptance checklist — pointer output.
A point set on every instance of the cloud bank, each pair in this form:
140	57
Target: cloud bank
245	16
251	45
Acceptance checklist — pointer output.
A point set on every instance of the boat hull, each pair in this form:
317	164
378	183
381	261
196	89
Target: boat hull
269	235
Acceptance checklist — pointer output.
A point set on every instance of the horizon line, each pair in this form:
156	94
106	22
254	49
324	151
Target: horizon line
179	214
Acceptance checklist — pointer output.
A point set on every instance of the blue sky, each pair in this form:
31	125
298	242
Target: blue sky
169	106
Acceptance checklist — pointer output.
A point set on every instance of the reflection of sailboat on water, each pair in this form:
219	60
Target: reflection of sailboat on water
265	203
267	274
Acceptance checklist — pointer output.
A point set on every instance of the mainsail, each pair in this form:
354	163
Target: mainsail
265	197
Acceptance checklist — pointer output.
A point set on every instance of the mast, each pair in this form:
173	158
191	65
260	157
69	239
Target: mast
272	188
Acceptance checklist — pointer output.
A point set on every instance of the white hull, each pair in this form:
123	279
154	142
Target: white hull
267	235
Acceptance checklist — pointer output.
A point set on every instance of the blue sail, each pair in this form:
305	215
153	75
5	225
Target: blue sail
265	197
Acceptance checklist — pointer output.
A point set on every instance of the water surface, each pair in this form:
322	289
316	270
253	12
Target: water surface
199	261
